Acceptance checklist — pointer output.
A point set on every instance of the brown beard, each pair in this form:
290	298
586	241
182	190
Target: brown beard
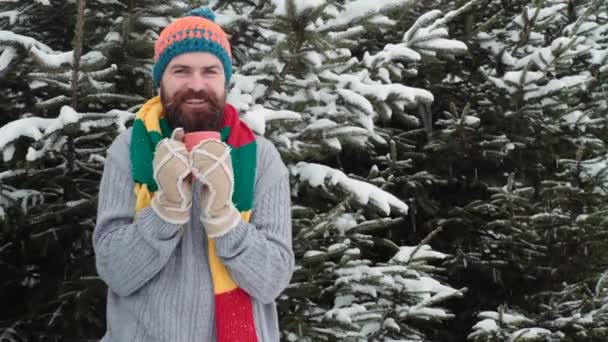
207	119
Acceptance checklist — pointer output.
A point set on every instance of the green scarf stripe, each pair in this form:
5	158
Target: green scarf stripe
143	144
164	127
224	133
142	151
244	161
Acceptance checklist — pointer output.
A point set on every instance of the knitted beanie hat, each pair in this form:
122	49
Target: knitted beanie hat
195	32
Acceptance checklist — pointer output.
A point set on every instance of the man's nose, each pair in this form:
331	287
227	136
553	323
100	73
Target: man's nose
197	82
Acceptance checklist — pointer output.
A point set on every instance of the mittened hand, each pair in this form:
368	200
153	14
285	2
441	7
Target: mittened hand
173	200
211	164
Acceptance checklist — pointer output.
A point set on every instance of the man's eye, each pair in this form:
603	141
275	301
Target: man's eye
180	71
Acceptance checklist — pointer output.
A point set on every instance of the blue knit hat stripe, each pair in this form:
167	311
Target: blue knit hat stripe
191	45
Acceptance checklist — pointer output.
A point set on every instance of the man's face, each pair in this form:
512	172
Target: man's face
193	92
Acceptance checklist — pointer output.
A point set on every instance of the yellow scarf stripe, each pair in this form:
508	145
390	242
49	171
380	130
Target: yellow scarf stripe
143	197
246	215
222	281
150	113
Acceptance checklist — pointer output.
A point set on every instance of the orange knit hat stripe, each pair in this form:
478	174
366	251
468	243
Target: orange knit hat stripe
191	27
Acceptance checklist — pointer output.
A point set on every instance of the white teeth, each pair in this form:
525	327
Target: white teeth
195	101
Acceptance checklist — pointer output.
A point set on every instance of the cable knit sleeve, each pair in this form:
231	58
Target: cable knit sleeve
128	252
259	254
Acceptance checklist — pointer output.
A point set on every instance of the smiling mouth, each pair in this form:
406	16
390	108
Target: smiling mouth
195	104
195	101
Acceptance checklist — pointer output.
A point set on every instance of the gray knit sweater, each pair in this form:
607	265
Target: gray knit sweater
160	286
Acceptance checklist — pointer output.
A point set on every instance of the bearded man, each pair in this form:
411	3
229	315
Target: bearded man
193	243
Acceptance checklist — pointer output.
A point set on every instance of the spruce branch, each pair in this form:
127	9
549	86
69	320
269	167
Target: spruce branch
424	241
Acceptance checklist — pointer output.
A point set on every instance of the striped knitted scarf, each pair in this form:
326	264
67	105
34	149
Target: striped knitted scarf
233	308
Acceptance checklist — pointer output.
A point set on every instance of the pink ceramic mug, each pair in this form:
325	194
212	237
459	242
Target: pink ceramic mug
193	138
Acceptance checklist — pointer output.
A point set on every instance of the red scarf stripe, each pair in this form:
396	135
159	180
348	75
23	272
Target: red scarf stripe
241	134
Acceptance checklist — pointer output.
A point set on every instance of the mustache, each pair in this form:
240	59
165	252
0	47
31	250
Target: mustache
207	119
191	95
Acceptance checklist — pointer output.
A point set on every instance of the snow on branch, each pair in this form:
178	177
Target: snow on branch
364	193
364	86
556	85
301	6
60	60
33	127
357	9
514	81
599	57
390	53
364	109
408	254
562	50
591	170
544	15
11	15
451	15
25	198
511	325
428	35
40	79
26	42
257	117
38	128
8	54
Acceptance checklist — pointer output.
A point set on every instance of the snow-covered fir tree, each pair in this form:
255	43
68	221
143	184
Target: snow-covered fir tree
524	150
52	158
320	88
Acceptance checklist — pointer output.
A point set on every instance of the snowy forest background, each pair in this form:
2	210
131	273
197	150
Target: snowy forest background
448	159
